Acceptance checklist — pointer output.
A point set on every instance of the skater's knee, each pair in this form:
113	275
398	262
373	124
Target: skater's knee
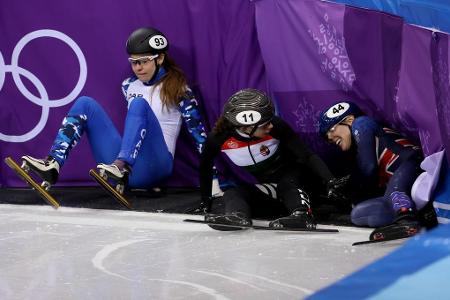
83	105
85	100
138	105
370	219
359	218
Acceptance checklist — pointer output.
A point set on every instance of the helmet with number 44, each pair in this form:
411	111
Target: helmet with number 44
336	114
248	107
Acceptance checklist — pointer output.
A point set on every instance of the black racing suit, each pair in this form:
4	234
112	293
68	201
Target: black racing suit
281	161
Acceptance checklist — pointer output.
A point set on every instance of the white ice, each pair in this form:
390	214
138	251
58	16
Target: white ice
75	253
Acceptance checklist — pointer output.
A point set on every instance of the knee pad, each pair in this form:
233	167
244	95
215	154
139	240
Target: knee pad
372	213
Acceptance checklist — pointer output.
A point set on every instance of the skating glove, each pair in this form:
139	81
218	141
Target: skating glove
335	186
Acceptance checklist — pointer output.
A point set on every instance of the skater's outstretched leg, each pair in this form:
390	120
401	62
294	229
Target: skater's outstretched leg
86	115
67	137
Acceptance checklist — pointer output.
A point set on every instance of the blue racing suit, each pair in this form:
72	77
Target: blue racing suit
150	133
385	161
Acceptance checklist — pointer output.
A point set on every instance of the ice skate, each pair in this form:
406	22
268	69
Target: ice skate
113	178
43	187
228	221
117	171
406	225
300	218
47	169
236	218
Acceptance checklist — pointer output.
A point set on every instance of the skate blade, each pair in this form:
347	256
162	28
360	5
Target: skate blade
108	188
32	183
285	229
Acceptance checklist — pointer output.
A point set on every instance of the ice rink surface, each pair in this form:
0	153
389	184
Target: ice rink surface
77	253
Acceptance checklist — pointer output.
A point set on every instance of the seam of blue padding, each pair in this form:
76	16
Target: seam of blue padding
443	213
420	12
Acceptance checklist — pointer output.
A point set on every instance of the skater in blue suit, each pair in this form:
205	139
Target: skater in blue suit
158	100
387	166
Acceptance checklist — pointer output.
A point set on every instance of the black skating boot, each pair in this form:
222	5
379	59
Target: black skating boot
427	216
299	218
405	225
236	218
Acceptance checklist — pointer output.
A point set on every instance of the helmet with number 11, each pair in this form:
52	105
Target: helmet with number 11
248	107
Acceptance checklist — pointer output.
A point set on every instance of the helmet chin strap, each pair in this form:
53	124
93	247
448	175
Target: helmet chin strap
243	134
247	135
253	130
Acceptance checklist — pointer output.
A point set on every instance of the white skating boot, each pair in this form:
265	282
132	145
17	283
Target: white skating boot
118	171
47	169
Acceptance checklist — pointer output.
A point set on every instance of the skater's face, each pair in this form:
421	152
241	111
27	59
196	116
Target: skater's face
340	134
144	65
261	131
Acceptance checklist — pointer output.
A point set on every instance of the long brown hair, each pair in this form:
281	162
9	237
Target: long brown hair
223	125
174	87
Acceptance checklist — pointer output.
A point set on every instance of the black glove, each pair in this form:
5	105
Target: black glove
335	186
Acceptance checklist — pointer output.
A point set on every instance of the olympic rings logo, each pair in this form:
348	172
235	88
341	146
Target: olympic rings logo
43	99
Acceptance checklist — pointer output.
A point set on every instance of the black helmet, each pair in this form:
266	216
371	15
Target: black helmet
147	40
248	107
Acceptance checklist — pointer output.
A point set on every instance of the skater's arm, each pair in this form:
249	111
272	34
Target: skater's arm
210	151
301	152
364	132
190	112
126	84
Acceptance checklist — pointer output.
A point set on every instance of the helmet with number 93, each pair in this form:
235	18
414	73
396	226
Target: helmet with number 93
248	107
336	114
147	40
